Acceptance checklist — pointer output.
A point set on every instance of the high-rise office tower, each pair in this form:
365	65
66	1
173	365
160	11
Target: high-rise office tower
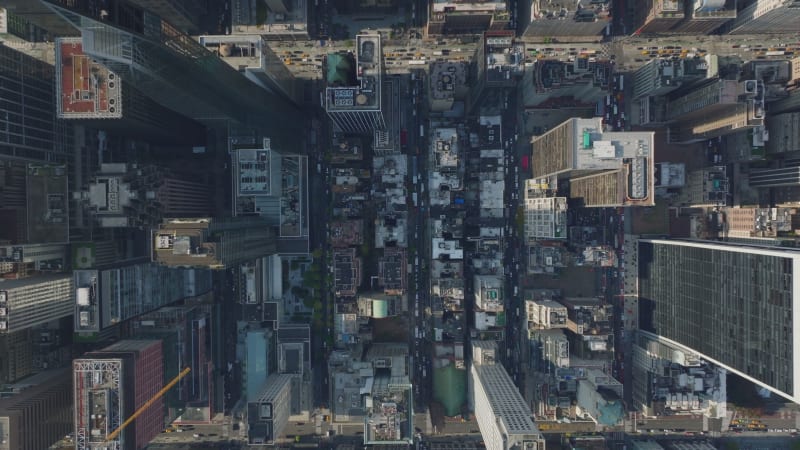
731	304
106	297
26	302
666	379
186	341
499	62
661	76
657	16
89	92
503	415
716	108
36	413
175	70
211	243
184	14
705	16
603	168
767	16
269	412
28	126
545	217
109	386
29	15
274	186
355	101
124	195
251	55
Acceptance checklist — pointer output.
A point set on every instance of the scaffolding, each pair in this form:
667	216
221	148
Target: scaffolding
98	403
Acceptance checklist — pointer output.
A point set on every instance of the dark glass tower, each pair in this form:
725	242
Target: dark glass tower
733	304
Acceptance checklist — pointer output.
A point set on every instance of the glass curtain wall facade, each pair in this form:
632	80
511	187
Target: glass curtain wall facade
733	304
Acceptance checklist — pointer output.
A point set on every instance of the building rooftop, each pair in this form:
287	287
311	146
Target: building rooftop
670	174
490	132
392	269
663	75
255	172
445	148
46	202
446	249
447	78
568	17
366	95
505	401
390	230
288	21
545	217
346	272
621	163
503	57
390	411
86	88
346	233
546	258
240	51
452	6
489	293
350	148
378	305
714	9
29	282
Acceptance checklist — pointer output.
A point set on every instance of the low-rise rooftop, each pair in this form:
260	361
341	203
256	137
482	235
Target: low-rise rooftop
446	249
445	148
346	272
346	233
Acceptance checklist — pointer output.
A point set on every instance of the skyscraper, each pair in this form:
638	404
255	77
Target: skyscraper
184	14
28	126
657	16
731	304
767	16
268	413
36	413
175	70
357	107
716	108
603	168
455	17
211	243
106	297
125	195
89	92
502	414
186	338
499	62
110	385
27	302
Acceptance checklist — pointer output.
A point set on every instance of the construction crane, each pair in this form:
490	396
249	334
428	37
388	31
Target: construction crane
147	404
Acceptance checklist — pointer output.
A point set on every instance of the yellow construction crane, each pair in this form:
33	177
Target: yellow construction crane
147	404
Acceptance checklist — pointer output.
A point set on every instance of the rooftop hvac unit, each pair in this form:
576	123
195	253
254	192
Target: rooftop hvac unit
758	109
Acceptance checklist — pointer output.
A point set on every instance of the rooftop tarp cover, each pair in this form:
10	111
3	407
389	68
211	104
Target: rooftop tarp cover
450	387
339	69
